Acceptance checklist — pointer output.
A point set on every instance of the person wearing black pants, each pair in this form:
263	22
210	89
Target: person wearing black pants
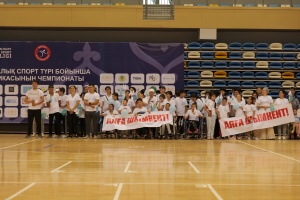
62	106
73	101
52	100
91	101
35	99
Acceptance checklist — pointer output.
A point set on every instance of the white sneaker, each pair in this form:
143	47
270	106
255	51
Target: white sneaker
33	134
283	137
248	138
54	136
255	138
279	138
43	135
63	136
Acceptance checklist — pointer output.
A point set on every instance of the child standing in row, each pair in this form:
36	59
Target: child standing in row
249	111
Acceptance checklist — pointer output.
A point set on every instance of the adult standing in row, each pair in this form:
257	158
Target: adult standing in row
35	98
91	101
52	100
263	103
73	101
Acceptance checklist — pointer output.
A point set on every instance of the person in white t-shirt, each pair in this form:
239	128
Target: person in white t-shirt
263	103
35	99
237	106
169	99
124	106
105	99
81	115
181	108
249	111
210	108
223	111
73	100
117	104
91	101
62	106
53	101
193	115
170	133
161	102
140	110
282	129
130	101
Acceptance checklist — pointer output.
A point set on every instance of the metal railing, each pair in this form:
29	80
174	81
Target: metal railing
271	3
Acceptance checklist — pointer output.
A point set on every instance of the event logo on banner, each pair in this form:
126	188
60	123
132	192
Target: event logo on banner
154	119
118	65
282	114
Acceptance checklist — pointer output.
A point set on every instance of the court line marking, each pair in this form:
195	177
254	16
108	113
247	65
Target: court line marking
180	161
272	152
139	172
21	191
214	192
194	167
127	167
118	192
55	170
18	144
154	183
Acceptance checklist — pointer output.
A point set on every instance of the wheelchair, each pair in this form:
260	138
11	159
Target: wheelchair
193	134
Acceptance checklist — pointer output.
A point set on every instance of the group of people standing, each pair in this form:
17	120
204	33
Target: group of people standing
86	110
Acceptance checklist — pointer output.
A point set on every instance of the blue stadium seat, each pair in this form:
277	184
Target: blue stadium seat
194	45
275	56
298	46
248	75
289	46
234	84
261	84
247	84
220	65
193	65
297	95
185	55
298	65
262	55
274	94
234	74
208	45
220	84
262	46
184	74
235	46
235	64
235	55
289	65
192	84
298	76
207	55
248	46
249	65
289	56
275	65
261	75
207	64
188	94
274	84
193	74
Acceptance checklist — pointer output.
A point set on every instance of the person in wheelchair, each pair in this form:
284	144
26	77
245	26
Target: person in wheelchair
171	133
193	116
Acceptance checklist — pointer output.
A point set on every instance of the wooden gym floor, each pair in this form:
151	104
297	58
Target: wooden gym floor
40	169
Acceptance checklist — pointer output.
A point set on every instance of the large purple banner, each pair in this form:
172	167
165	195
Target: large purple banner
68	63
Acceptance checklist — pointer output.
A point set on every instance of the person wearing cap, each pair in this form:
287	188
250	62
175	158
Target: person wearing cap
52	100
